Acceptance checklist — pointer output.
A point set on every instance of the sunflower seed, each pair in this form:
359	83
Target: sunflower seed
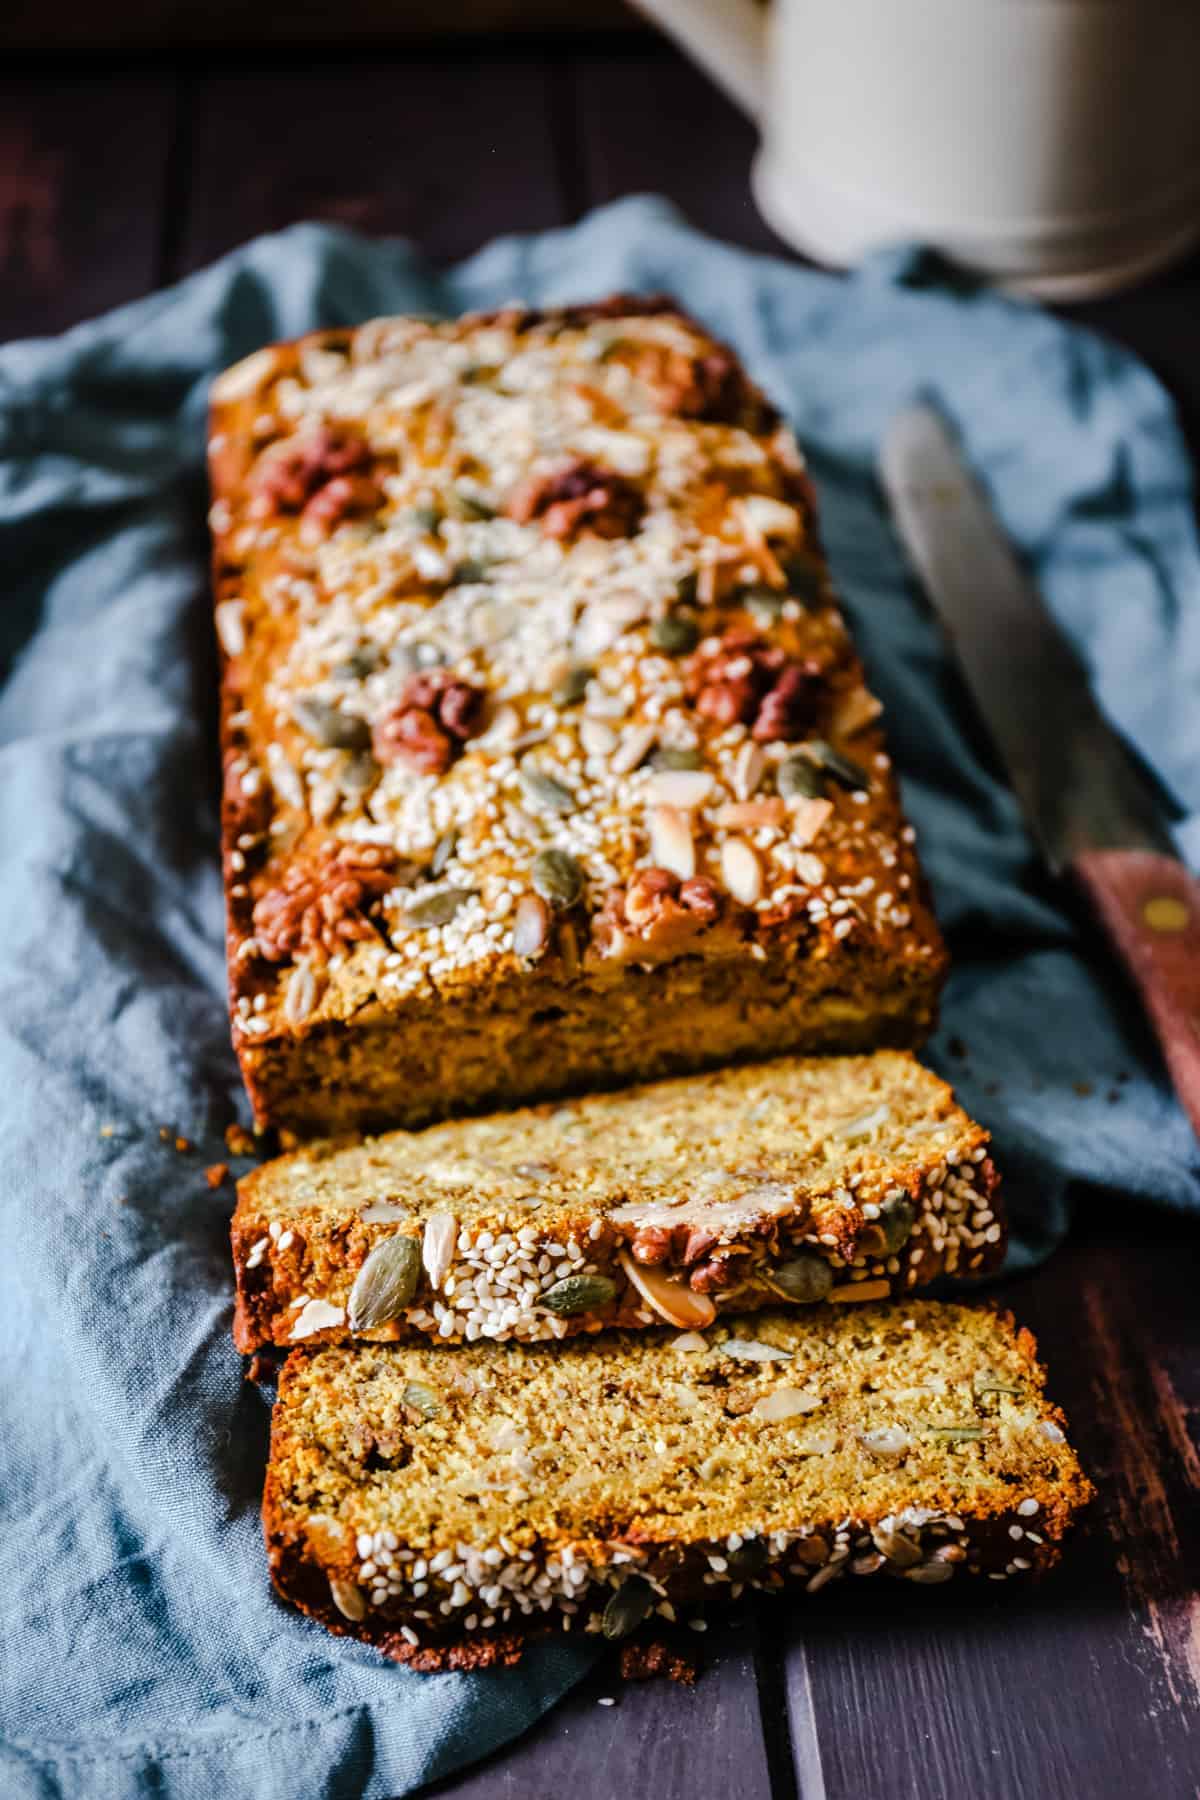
627	1607
531	926
930	1573
443	850
897	1216
899	1549
541	790
421	1398
578	1294
437	1247
468	572
799	778
748	769
557	877
672	756
385	1284
327	726
806	1279
784	1403
676	633
435	909
843	768
573	686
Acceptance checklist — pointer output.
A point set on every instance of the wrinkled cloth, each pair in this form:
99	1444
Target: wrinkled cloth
141	1649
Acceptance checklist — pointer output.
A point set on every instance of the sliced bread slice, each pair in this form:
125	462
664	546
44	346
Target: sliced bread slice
829	1178
442	1506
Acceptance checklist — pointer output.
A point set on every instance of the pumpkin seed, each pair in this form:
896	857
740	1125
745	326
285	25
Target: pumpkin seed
557	877
627	1607
421	1398
987	1382
748	1559
843	768
670	757
578	1294
469	570
897	1216
360	773
805	578
675	633
806	1279
956	1434
470	506
327	726
443	850
435	909
426	518
800	779
543	791
385	1284
764	605
359	664
573	686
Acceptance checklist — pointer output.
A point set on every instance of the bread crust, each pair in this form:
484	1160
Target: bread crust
812	932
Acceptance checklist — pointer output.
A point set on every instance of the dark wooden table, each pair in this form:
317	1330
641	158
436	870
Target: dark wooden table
115	179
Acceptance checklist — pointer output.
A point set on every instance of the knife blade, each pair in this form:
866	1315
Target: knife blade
1091	808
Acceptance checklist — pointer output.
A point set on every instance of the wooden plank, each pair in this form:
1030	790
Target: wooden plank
446	148
82	162
1091	1683
658	1739
650	122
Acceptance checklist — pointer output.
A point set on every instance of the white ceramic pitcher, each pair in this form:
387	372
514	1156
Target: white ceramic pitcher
1051	145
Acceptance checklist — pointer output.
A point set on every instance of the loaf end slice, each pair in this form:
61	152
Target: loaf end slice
845	1179
444	1507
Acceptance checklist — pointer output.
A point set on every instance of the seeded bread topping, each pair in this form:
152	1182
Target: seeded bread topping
838	1178
548	758
442	1506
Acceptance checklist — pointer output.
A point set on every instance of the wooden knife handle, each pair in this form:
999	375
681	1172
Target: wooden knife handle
1149	906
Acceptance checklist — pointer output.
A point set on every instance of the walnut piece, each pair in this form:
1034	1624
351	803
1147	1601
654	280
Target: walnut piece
433	717
322	905
709	386
290	473
578	496
658	912
744	680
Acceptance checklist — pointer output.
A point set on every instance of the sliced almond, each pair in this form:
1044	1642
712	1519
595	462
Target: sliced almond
886	1441
671	843
384	1212
437	1248
302	989
246	378
636	744
770	518
741	871
754	1350
315	1315
689	1343
743	813
230	617
531	926
348	1599
748	767
686	788
808	816
860	1290
784	1403
854	712
672	1300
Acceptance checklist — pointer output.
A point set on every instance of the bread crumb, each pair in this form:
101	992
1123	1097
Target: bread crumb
238	1141
216	1173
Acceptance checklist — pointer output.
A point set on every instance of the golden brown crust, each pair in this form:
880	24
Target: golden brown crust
656	592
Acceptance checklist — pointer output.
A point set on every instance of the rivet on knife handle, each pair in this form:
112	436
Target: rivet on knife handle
1149	906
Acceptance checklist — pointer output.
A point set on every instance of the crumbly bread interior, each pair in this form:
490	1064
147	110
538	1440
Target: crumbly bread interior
674	1441
856	1125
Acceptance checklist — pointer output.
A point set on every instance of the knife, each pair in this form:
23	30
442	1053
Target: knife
1091	808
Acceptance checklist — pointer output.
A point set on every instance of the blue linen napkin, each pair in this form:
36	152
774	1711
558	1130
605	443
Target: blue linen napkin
140	1649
